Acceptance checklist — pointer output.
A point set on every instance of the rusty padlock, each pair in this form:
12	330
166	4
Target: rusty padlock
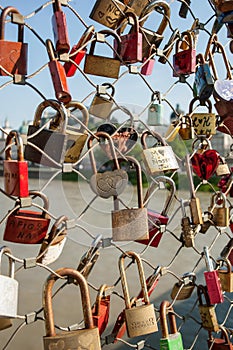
84	338
225	274
13	54
206	310
183	289
60	31
101	308
140	320
15	171
102	102
108	13
27	226
184	62
203	123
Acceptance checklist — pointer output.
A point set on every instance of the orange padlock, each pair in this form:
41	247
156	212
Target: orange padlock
60	28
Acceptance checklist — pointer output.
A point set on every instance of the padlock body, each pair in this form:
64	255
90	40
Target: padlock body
59	80
222	169
75	141
172	131
60	32
196	213
219	344
107	13
204	82
102	66
184	62
140	320
69	67
100	319
5	323
214	287
109	183
13	57
9	297
131	47
16	178
101	107
223	5
155	114
209	318
148	67
158	159
174	341
184	293
204	123
26	227
226	280
52	251
222	217
137	5
83	339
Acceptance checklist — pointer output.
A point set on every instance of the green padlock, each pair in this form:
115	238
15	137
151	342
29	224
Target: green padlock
155	111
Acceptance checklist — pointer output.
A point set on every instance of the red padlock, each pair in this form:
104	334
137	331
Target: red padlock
60	28
28	227
58	75
100	310
222	343
148	62
184	62
13	54
78	52
15	171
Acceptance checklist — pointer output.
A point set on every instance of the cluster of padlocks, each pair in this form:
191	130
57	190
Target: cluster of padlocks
60	144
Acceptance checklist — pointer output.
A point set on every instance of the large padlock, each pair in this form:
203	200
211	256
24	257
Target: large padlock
172	340
158	158
84	338
46	146
140	320
108	183
101	308
184	62
131	224
203	123
108	13
222	343
155	110
101	65
58	75
15	171
183	289
225	274
53	243
203	82
60	31
8	288
13	54
186	130
102	102
206	310
157	221
27	226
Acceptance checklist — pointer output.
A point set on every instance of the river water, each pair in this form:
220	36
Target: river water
70	198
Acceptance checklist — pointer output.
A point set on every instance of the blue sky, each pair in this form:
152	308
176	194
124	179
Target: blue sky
18	103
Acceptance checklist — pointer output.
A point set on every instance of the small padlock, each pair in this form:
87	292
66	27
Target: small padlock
109	183
108	13
101	65
13	55
222	343
188	231
223	168
221	213
184	62
53	243
173	130
172	340
186	130
58	75
225	274
183	289
155	110
60	31
203	123
148	62
132	223
15	171
101	308
102	102
158	158
140	320
207	311
27	226
84	338
203	81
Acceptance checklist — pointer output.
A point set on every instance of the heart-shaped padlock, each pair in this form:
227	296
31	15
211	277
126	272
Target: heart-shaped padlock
109	183
204	164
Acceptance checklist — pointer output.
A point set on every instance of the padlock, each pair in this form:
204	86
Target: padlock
203	123
58	75
184	62
101	65
15	171
221	213
184	7
102	102
212	280
27	226
60	31
206	310
172	340
188	229
8	288
223	5
137	6
183	289
13	55
109	183
5	323
84	338
131	43
204	83
155	110
140	320
108	13
158	158
227	252
46	146
186	130
205	161
168	47
101	308
207	222
222	168
225	274
53	243
148	62
222	343
132	223
173	130
156	220
78	52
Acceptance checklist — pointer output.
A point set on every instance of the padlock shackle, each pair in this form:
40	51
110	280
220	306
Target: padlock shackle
142	278
139	180
84	111
47	299
228	264
163	319
109	86
53	231
185	35
207	103
202	291
86	36
19	143
156	96
99	297
7	10
43	197
3	250
219	46
50	49
106	32
129	14
200	59
155	134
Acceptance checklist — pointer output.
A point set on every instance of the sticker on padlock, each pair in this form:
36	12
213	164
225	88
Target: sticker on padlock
206	310
101	308
225	274
27	226
15	171
60	31
87	337
17	63
140	320
183	289
184	62
155	110
203	123
102	102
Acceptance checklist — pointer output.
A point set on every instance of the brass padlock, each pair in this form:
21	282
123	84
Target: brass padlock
183	289
186	130
84	338
207	311
173	130
225	274
188	231
108	13
102	102
203	123
221	213
140	320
